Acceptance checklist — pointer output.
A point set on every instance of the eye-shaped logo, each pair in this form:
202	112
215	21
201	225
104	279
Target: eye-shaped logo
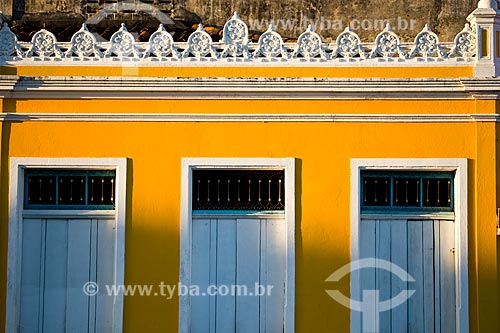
371	306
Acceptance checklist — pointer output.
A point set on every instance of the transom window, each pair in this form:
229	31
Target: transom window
260	190
69	189
402	190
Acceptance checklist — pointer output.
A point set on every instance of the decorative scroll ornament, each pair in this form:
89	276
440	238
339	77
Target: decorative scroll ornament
44	44
200	44
271	45
8	42
123	44
387	43
348	44
83	44
465	43
426	44
235	37
309	45
161	44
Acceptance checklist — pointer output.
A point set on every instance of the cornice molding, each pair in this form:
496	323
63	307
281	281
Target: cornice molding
484	89
196	117
230	88
161	88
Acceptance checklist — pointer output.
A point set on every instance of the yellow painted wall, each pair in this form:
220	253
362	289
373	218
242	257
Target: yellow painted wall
244	107
3	219
152	241
323	152
497	155
248	71
485	227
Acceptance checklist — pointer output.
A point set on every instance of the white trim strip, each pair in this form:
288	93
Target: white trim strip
197	117
41	213
161	88
403	216
238	216
287	88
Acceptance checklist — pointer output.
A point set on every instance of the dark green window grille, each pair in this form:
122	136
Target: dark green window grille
253	190
69	189
407	191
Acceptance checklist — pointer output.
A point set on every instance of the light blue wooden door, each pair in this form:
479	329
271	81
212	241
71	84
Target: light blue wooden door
58	257
238	253
426	250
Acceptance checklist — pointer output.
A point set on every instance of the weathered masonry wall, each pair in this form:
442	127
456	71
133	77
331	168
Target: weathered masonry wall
290	16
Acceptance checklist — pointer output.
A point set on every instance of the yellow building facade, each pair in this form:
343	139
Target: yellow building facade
329	115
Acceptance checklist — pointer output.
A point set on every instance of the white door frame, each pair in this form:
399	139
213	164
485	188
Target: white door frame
188	165
460	204
16	204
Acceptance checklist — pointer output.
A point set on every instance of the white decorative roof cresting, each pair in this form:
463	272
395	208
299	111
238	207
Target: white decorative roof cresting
235	47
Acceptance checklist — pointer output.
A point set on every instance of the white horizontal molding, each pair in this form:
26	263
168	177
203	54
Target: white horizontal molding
197	117
69	213
403	216
147	88
236	215
93	87
482	88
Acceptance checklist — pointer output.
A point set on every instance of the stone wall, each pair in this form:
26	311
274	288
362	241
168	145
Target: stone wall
18	8
446	17
6	7
291	17
51	6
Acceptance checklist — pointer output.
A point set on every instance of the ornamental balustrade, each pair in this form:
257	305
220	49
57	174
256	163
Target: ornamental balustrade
236	46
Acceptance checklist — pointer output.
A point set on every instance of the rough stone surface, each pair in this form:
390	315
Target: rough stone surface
291	17
330	17
51	6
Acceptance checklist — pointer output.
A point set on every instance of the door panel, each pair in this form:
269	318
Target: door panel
399	242
242	253
425	249
226	274
383	277
273	272
56	260
248	273
106	244
447	278
31	279
78	260
368	277
59	256
428	294
437	278
200	306
416	269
